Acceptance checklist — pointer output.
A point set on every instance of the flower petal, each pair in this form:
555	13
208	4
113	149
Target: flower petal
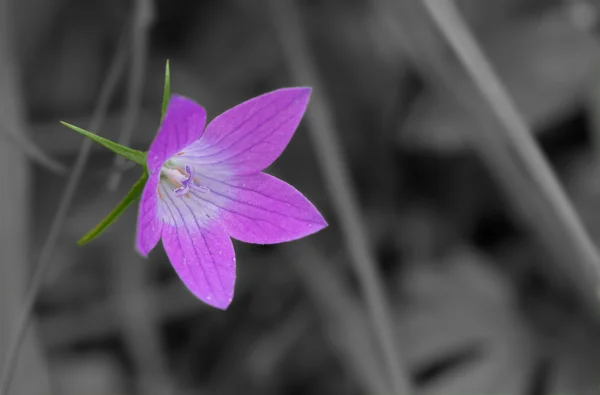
183	124
259	209
200	251
149	223
249	137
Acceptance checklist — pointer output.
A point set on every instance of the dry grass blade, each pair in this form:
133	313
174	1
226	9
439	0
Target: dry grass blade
106	94
321	127
143	16
449	21
11	101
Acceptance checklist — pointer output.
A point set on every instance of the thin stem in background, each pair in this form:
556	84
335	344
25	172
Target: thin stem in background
108	89
12	102
143	17
337	180
450	22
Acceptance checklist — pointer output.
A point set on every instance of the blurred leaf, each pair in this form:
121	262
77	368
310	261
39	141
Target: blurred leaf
133	195
133	155
462	310
544	62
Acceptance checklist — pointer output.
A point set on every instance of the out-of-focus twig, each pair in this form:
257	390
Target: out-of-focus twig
12	113
518	135
322	132
106	94
142	20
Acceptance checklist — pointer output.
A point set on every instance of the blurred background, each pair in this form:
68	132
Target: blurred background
486	290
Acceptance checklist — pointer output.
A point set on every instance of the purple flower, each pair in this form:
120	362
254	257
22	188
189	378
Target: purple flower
206	186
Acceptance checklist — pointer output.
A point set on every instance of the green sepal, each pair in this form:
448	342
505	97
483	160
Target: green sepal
166	91
136	156
134	194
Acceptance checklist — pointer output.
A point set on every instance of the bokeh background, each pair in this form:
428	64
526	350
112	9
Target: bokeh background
486	287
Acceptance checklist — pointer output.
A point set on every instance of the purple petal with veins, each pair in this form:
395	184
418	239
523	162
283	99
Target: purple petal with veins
183	124
249	137
206	186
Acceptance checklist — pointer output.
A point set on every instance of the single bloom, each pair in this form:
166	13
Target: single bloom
206	186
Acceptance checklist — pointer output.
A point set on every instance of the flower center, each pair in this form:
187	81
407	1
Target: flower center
183	181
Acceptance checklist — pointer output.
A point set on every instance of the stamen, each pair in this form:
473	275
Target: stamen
185	184
189	182
179	192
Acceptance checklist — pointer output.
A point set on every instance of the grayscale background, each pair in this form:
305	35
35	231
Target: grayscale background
483	250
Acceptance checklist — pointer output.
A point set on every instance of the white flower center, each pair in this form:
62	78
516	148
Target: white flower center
179	179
